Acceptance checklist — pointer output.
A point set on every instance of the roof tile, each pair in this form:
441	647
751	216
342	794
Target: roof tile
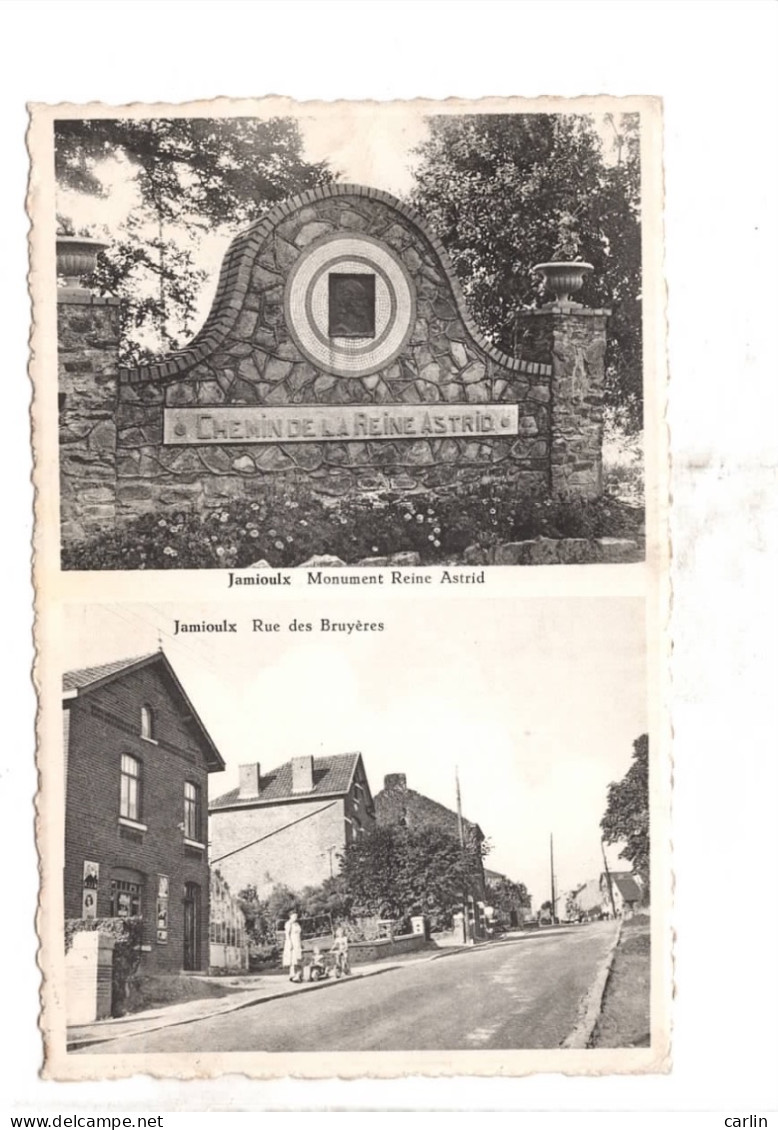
330	775
74	680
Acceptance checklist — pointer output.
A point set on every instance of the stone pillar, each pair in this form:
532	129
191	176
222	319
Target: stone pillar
88	356
571	338
88	977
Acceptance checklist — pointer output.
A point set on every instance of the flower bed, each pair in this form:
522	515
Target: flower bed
288	526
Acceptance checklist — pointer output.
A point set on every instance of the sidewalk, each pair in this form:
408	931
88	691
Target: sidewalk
263	988
266	988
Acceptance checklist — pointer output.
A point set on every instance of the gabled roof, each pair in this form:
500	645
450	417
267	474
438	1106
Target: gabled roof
332	776
84	680
628	888
429	807
86	676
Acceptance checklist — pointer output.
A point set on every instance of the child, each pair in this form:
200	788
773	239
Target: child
318	970
340	950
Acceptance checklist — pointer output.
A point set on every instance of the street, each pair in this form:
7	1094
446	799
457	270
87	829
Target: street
521	992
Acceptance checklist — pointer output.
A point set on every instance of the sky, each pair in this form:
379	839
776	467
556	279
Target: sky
537	709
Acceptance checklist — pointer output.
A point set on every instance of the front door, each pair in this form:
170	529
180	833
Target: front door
191	926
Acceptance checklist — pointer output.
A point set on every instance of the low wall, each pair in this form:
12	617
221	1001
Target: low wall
361	952
227	959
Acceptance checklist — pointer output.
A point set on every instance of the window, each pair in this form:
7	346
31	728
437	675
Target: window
192	821
351	305
129	797
125	898
147	723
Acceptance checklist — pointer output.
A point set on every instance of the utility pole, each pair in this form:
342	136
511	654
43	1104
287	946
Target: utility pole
553	883
460	822
608	877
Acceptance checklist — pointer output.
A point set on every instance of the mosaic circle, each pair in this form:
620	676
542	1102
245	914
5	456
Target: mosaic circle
372	321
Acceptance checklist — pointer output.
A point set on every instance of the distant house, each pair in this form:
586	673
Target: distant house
397	804
289	825
594	897
627	892
137	759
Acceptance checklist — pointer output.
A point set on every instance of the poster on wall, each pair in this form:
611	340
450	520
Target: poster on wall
91	883
163	889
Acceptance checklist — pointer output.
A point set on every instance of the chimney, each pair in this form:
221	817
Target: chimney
395	781
302	774
249	780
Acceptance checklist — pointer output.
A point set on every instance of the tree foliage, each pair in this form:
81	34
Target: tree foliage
193	175
507	191
626	818
506	896
394	872
265	916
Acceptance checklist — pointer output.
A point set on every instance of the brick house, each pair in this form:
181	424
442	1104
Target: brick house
137	759
397	804
288	826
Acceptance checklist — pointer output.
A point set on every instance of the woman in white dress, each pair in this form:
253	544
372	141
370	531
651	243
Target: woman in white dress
293	948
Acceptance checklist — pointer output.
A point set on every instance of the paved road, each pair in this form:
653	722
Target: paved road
521	993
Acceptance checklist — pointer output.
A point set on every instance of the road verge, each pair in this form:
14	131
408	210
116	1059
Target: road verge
592	1002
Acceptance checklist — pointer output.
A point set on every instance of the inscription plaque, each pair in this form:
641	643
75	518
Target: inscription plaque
317	423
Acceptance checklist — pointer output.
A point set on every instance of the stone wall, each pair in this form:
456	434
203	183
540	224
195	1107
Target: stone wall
252	353
574	339
361	952
88	343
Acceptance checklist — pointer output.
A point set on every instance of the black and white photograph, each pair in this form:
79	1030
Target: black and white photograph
430	853
399	334
334	316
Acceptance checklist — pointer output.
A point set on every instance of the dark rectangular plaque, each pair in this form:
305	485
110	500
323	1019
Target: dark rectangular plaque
351	305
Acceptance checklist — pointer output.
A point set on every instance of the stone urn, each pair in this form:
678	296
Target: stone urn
76	258
563	279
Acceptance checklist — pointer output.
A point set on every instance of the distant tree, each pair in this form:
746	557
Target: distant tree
506	896
626	818
506	191
394	872
572	906
281	901
329	898
263	916
193	175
